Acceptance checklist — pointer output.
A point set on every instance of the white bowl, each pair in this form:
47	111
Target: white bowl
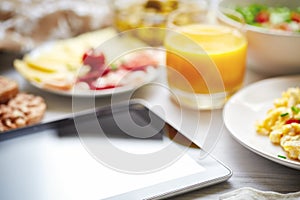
269	52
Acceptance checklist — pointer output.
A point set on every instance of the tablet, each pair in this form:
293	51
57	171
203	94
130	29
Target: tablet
120	151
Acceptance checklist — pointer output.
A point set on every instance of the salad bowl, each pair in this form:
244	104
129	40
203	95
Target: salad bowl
274	44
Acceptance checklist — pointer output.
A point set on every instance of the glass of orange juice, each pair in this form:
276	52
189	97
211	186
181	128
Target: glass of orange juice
205	59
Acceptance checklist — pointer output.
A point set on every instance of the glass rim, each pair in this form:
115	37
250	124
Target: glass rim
206	12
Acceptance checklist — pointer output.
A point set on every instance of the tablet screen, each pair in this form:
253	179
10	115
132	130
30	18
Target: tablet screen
71	160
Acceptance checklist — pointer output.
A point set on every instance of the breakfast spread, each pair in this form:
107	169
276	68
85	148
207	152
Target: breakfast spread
275	18
107	61
77	62
282	123
19	109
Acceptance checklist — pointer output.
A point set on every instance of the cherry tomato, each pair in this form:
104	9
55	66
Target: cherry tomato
262	17
295	17
292	121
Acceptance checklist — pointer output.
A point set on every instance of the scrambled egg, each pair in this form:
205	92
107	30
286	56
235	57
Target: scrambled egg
282	123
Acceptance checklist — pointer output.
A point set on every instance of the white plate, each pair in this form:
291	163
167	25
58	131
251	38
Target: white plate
150	76
248	106
111	47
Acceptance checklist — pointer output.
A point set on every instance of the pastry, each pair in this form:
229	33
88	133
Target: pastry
8	89
22	110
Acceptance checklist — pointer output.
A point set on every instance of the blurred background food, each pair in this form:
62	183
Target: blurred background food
26	24
272	50
280	18
142	13
144	18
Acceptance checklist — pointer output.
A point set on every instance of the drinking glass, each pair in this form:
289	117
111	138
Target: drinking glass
205	59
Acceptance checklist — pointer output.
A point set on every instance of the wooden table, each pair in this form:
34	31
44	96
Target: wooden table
249	169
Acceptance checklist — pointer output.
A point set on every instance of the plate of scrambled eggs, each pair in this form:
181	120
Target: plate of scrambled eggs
270	125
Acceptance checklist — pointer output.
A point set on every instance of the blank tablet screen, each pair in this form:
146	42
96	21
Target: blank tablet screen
94	156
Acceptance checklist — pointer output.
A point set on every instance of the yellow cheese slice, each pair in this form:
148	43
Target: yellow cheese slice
66	55
38	75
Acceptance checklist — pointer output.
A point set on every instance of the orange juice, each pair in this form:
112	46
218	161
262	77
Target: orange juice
210	58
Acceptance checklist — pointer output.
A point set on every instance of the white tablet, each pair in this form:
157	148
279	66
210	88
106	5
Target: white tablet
123	151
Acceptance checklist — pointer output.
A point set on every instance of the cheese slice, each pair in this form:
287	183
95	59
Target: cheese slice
39	76
66	55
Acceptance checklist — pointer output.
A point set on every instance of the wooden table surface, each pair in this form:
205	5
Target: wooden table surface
249	169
